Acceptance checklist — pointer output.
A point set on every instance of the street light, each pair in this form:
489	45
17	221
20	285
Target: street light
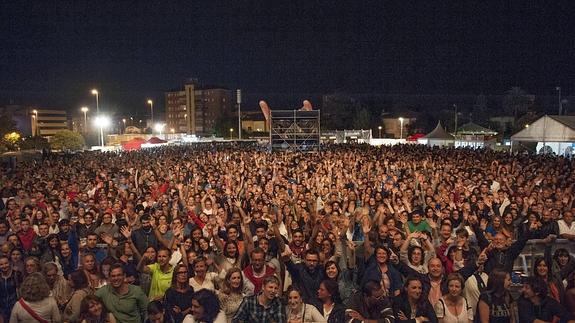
379	128
97	94
35	117
102	122
124	121
231	133
400	128
85	110
151	103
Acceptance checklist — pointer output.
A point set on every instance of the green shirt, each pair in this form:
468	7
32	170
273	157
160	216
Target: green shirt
420	227
127	308
161	281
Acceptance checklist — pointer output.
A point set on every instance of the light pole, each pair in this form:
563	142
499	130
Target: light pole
379	128
151	103
231	133
239	102
124	121
85	110
102	122
97	94
400	128
558	89
35	122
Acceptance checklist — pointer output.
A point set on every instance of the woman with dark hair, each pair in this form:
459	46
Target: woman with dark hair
35	303
298	311
563	263
52	250
158	314
68	259
536	306
94	311
379	269
542	269
495	303
178	298
329	305
233	292
16	259
205	308
79	282
411	305
345	279
414	256
10	280
92	270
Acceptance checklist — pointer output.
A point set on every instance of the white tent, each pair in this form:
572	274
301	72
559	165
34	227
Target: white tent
552	134
437	137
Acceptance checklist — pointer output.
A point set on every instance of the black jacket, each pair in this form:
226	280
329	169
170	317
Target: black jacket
401	304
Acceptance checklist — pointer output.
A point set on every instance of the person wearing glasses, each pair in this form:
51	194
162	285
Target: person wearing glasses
178	298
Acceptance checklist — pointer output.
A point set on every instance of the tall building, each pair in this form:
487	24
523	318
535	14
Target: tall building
195	110
37	121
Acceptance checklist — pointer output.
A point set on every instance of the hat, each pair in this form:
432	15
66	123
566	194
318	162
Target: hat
64	221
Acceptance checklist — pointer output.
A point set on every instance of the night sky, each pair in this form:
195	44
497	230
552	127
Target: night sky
53	53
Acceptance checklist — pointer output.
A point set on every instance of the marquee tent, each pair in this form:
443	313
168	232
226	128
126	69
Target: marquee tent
552	133
437	137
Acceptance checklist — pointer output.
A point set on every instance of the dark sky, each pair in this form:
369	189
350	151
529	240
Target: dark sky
52	53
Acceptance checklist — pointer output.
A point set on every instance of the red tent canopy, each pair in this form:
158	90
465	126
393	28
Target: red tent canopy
133	144
156	140
416	136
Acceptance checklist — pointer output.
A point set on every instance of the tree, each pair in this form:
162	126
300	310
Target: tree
67	140
34	142
11	140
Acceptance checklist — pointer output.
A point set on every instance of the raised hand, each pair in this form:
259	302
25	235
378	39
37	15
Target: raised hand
126	232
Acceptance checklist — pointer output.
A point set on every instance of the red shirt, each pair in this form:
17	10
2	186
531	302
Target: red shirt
27	238
258	281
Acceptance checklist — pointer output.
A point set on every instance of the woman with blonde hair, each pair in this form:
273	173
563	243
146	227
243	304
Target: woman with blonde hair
233	292
35	303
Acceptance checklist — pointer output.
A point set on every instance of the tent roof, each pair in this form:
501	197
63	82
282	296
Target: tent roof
156	140
439	133
474	129
548	128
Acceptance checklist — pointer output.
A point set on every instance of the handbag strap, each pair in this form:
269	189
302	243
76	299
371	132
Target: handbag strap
31	311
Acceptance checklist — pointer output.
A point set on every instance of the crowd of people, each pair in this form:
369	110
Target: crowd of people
222	233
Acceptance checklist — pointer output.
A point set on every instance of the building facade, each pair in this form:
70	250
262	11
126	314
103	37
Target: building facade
195	110
37	121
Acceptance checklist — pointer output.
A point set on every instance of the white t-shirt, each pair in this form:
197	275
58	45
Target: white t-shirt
564	228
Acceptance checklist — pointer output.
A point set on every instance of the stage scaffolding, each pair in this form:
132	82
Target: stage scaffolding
295	130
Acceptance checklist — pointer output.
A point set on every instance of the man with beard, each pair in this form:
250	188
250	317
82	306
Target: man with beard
127	302
145	237
306	276
258	269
